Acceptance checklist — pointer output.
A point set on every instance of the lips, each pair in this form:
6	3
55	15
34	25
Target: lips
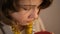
27	23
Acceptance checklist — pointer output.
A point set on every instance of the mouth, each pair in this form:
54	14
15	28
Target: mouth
28	22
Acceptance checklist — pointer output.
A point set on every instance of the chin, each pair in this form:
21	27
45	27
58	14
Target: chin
24	24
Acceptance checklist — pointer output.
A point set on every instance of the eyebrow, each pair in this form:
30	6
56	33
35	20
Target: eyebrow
28	6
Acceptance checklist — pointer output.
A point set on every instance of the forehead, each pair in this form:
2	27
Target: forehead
30	2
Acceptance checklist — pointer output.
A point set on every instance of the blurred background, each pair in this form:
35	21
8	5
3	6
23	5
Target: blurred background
51	17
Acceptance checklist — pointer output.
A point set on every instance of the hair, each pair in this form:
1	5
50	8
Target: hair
7	6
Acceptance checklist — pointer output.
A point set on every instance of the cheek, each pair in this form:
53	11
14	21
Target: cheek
15	16
18	16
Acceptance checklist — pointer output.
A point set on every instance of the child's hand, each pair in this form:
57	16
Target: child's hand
52	33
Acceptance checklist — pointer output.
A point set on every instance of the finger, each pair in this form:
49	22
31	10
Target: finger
52	33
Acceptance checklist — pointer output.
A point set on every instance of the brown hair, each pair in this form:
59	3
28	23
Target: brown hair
7	6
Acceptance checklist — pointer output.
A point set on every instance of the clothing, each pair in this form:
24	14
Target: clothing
7	29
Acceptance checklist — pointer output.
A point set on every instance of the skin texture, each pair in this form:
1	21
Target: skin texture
27	12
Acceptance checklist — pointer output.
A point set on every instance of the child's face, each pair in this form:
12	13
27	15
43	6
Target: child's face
28	11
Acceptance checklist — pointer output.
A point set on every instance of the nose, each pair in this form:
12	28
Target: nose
33	15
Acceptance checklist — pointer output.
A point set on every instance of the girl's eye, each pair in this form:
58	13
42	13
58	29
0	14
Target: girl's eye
27	9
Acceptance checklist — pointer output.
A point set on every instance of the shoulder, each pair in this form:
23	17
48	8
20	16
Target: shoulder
5	28
1	28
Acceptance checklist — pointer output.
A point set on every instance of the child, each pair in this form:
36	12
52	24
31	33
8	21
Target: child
17	16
